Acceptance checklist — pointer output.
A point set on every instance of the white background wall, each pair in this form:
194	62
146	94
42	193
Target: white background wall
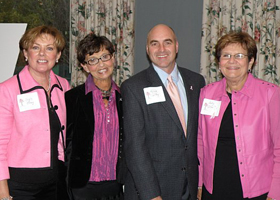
10	35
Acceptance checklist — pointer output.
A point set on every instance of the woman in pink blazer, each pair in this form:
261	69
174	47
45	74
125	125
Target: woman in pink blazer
238	131
32	121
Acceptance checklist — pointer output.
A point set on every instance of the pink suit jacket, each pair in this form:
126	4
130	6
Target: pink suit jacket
25	136
256	118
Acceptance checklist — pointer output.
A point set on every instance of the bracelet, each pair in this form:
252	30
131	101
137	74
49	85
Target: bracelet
7	198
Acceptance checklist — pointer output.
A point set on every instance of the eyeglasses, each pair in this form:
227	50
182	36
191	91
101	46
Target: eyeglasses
238	56
95	61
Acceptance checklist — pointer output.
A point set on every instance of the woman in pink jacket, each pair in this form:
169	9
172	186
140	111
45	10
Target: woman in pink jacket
239	128
32	122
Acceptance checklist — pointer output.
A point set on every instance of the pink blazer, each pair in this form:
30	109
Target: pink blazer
256	119
25	136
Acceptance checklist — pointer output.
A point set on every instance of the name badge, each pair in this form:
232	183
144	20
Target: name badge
210	107
28	101
154	95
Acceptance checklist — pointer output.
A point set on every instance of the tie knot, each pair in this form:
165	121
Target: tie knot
169	78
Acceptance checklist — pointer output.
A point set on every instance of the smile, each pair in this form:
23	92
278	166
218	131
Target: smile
164	56
102	71
42	61
233	68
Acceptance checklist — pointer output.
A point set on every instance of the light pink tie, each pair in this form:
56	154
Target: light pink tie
175	97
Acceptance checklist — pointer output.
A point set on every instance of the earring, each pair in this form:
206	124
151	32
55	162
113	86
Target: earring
56	61
249	70
26	59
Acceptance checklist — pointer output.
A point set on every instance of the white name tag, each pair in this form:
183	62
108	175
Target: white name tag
28	101
210	107
154	95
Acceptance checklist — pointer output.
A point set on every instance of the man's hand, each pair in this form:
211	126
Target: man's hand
157	198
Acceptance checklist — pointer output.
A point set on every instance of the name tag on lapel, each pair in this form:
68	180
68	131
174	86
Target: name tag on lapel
28	101
154	95
210	107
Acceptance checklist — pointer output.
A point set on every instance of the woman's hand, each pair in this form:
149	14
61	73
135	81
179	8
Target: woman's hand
199	193
4	190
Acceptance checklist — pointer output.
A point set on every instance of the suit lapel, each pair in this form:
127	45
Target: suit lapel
155	81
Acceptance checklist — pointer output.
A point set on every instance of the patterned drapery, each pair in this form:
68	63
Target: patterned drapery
259	18
111	18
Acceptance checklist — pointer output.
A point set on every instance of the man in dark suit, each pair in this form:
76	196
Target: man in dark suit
161	156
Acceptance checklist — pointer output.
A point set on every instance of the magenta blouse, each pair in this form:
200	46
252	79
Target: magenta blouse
106	134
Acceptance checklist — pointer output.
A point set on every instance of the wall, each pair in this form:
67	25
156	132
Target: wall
10	35
184	16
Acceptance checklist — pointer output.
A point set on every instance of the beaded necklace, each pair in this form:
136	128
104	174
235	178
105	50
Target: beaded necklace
105	93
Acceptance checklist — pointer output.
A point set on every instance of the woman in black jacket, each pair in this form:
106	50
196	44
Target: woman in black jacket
94	156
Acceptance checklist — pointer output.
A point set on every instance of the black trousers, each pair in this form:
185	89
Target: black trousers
105	190
26	191
52	190
207	196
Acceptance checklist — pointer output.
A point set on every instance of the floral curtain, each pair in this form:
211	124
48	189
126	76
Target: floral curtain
259	18
111	18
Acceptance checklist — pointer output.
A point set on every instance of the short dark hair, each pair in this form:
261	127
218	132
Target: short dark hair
93	44
234	37
29	37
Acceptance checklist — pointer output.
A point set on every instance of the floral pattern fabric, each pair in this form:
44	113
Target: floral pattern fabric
259	18
111	18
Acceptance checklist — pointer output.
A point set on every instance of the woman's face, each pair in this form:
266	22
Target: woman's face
235	69
103	70
42	55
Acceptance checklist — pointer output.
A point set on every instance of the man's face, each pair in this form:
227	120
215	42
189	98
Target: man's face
162	47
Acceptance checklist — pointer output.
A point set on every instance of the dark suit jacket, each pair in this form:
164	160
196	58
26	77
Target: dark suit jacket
79	137
158	156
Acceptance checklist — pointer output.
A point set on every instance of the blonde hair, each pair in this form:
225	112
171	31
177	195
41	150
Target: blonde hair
29	37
